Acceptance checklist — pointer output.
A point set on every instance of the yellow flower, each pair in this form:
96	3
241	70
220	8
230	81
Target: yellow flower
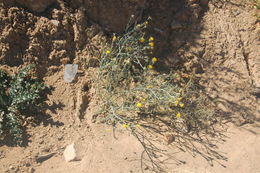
108	52
139	105
142	39
124	126
151	39
144	99
114	38
179	99
138	125
154	59
178	115
181	105
151	44
176	102
150	66
146	22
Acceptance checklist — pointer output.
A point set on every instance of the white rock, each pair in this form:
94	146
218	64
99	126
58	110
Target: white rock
70	153
55	22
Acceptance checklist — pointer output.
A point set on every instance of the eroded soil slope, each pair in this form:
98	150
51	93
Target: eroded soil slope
218	41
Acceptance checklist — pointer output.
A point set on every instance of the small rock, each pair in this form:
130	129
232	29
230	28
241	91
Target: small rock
55	22
13	169
70	72
170	139
70	153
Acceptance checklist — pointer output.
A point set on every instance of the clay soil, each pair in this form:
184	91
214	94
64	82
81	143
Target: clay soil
218	40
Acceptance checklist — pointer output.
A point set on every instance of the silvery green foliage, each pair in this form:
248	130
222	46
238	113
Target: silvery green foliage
17	93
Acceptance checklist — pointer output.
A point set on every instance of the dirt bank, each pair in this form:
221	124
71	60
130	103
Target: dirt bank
218	41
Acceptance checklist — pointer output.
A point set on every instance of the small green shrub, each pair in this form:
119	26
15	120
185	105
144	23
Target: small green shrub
17	93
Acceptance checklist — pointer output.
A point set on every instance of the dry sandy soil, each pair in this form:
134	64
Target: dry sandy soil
218	40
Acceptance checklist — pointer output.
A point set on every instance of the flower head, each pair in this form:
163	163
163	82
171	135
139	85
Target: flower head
151	39
138	125
150	66
146	22
151	44
181	105
154	59
108	52
142	39
176	102
178	115
114	38
124	126
179	99
139	105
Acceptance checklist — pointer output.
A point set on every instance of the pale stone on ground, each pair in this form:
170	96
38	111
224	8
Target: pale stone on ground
70	153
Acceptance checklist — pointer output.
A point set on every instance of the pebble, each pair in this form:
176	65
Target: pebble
70	153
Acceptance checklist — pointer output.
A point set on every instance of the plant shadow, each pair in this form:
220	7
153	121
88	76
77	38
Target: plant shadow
177	25
36	116
232	108
162	141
